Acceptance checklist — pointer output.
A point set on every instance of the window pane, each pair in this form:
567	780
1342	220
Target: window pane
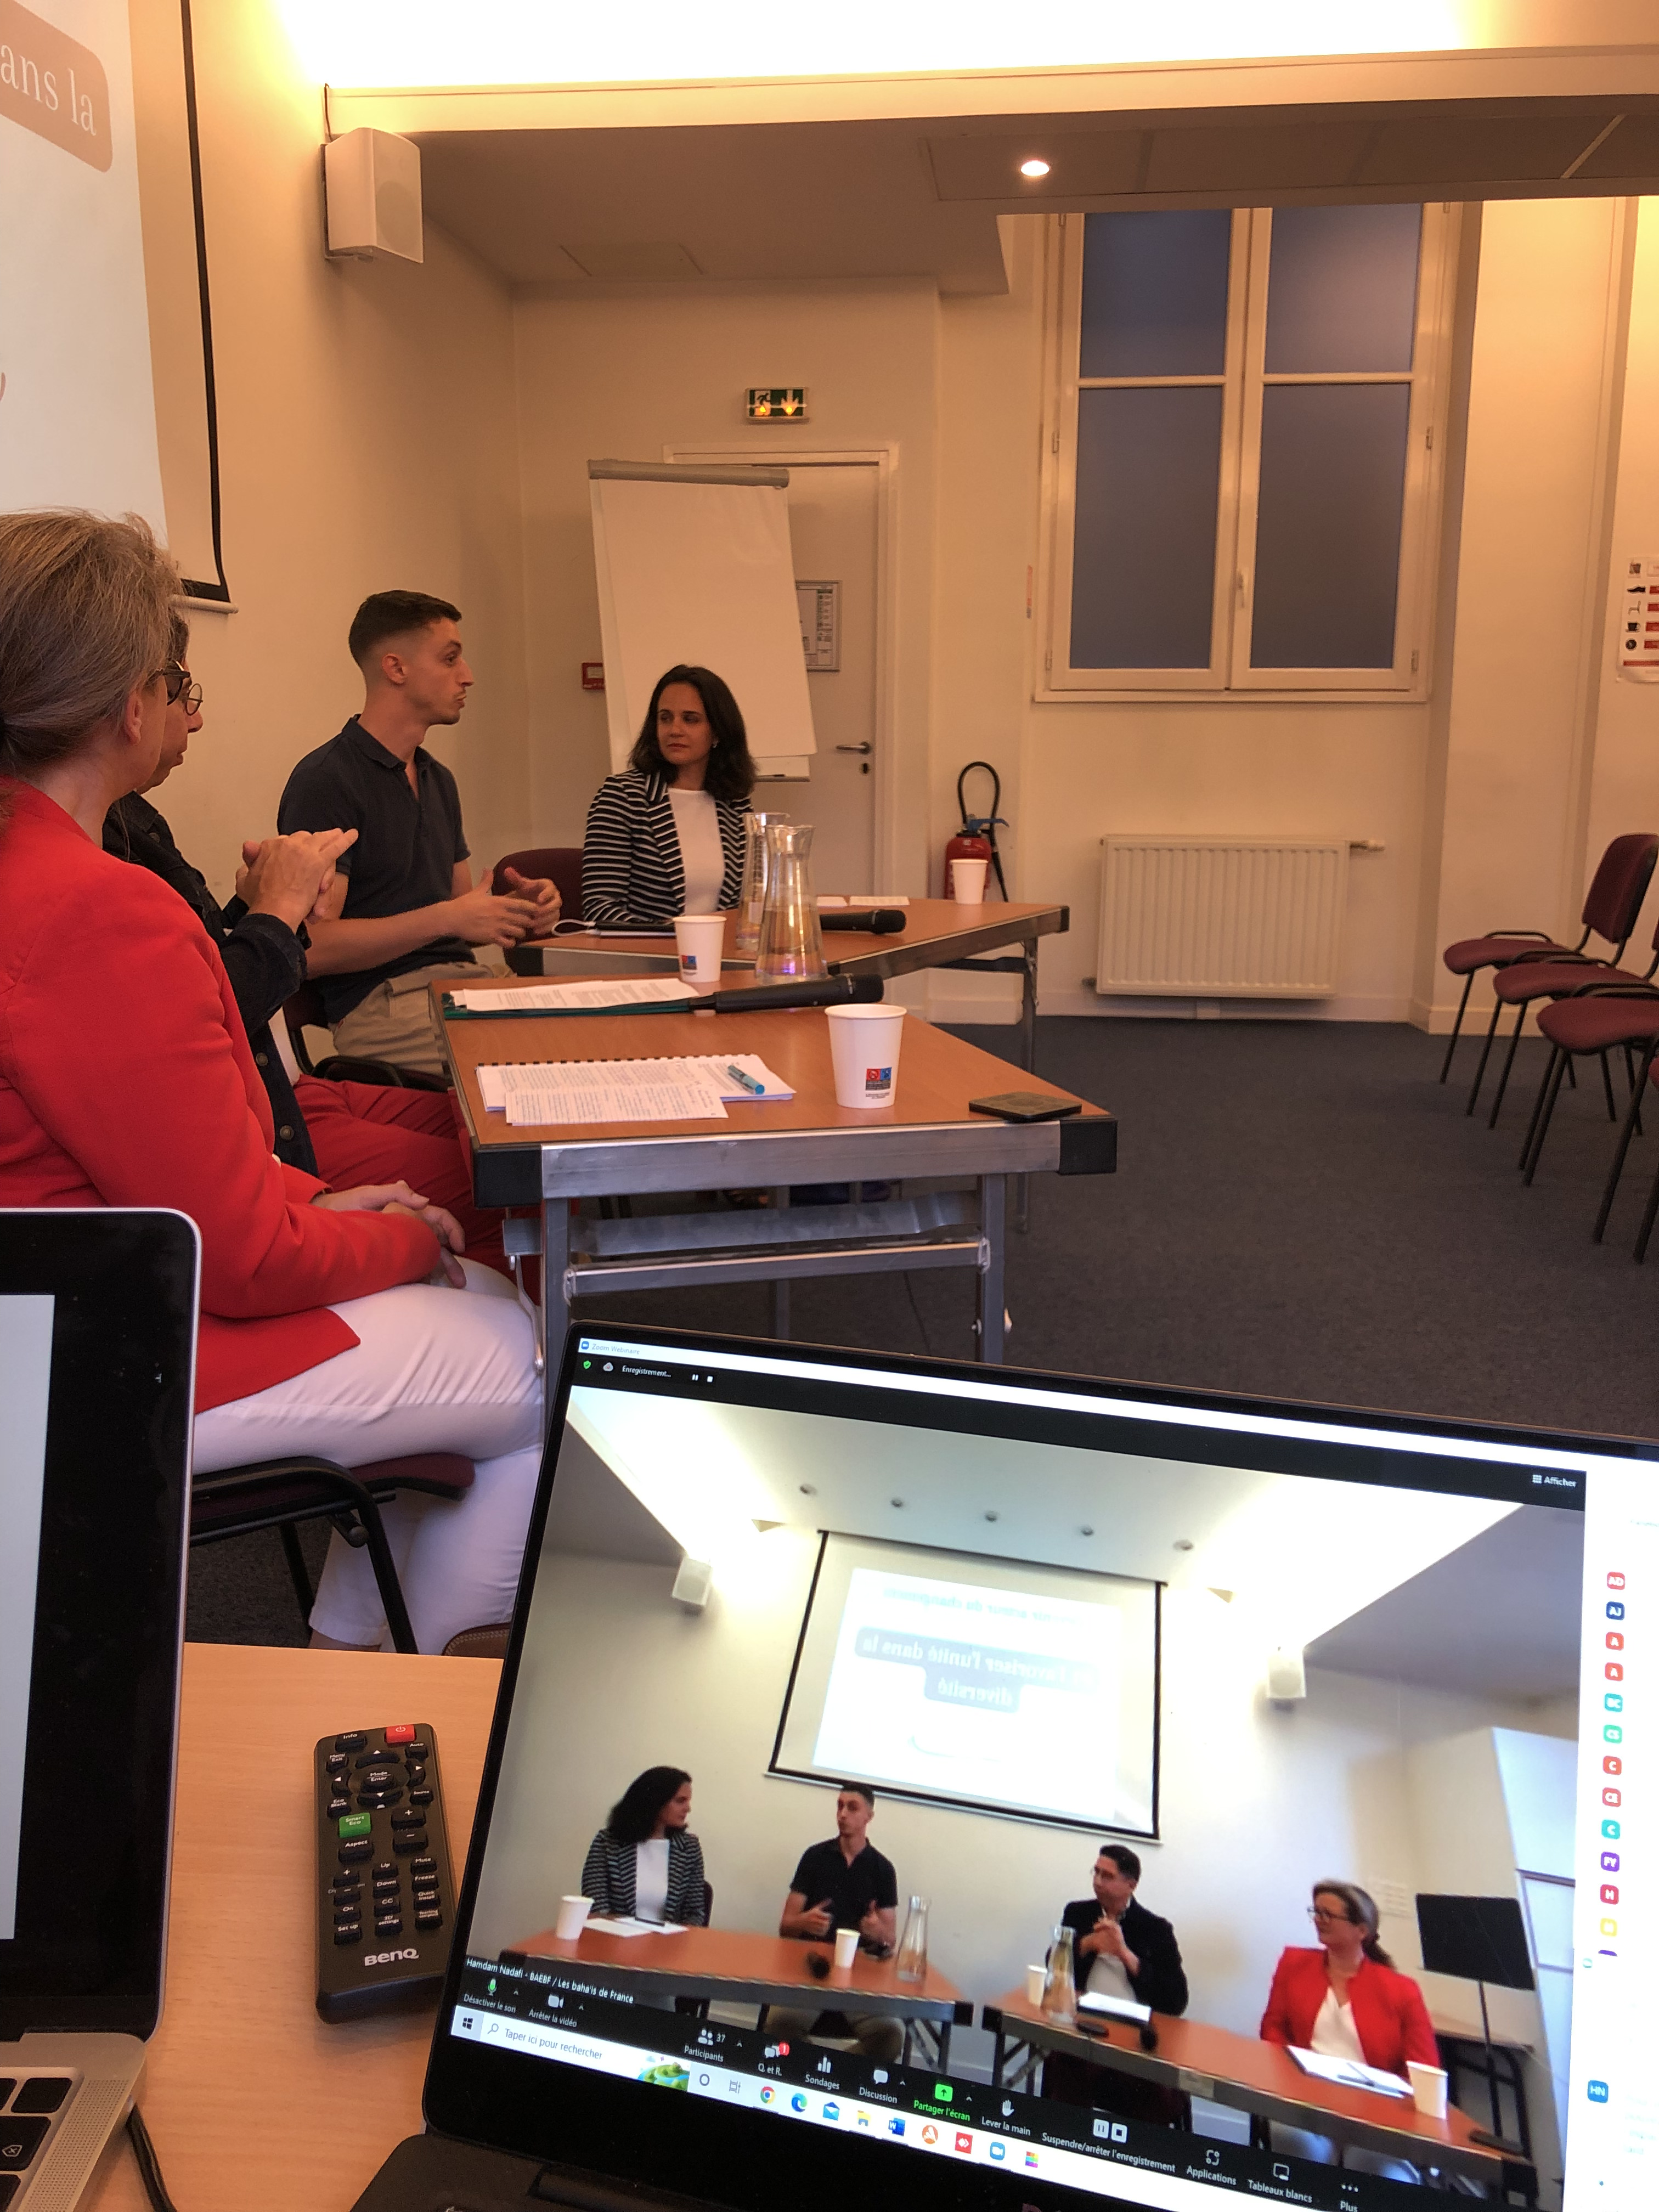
1328	527
1155	293
1341	288
1143	574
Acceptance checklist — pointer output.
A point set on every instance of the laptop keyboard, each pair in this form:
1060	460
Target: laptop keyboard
28	2105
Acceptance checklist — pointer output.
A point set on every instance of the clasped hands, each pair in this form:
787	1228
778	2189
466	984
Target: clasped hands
529	909
1105	1940
398	1198
291	877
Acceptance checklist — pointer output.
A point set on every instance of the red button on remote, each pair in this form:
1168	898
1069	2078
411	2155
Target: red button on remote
401	1732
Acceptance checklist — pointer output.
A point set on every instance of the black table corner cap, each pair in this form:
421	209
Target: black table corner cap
1088	1145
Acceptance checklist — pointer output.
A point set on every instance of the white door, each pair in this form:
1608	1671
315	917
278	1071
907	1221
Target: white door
834	513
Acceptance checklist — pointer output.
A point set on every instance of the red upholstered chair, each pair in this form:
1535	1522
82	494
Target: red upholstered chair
1627	864
280	1493
1599	1018
560	864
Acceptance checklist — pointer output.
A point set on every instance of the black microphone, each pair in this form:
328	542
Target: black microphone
822	991
876	920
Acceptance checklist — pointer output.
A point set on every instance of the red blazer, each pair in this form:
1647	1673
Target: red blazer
125	1080
1389	2016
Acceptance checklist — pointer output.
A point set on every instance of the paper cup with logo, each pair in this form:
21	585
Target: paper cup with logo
847	1946
1428	2089
700	939
864	1051
968	882
573	1915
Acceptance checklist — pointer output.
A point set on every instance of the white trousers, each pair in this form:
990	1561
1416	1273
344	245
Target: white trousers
435	1369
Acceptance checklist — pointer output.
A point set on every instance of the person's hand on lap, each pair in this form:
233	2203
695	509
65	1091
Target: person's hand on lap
398	1198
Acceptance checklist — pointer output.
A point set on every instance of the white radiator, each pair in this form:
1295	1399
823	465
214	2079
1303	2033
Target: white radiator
1221	917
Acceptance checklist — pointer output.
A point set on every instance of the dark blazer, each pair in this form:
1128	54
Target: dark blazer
264	958
1161	1981
631	866
608	1877
1389	2017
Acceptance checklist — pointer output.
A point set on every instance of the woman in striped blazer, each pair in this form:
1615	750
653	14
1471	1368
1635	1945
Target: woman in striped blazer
665	836
644	1863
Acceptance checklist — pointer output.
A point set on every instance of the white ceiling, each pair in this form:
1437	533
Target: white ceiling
917	197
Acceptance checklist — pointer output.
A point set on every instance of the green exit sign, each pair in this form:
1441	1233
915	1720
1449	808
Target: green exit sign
776	403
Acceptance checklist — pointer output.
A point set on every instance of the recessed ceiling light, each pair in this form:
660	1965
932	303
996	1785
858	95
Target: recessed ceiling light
1034	168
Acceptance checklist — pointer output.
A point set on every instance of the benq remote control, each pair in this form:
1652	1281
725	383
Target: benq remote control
385	1899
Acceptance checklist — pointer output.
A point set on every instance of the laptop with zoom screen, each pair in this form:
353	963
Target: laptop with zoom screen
97	1378
960	1787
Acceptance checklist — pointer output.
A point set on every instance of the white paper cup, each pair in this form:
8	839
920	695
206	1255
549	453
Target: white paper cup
847	1946
700	939
1037	1979
864	1051
968	882
1428	2089
572	1913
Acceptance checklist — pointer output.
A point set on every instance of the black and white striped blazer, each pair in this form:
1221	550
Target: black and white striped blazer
632	871
608	1874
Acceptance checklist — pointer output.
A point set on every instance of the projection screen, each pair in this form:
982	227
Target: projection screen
1026	1691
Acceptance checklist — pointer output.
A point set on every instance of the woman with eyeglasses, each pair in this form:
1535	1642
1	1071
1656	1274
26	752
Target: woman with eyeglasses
349	1133
1347	1999
337	1321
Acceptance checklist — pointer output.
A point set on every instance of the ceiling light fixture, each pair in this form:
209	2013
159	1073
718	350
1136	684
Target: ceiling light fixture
1034	168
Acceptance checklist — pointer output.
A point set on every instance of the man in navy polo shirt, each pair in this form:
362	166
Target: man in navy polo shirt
406	912
844	1882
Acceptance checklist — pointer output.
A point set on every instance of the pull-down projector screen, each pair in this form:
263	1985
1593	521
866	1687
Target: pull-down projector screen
1027	1691
77	409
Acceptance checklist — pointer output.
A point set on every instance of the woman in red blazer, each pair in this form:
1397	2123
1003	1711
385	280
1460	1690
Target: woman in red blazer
336	1321
1347	2000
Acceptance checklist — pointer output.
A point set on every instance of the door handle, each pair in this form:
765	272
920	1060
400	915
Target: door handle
854	749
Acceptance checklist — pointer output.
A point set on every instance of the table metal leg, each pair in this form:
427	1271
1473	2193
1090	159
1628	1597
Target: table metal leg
999	2051
780	1290
1028	1006
555	1301
993	1219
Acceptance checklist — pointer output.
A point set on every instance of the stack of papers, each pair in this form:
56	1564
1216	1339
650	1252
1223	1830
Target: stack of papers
535	1094
593	995
1349	2074
603	1924
1114	2008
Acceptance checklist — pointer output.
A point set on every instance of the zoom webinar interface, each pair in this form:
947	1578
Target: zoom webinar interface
1156	1798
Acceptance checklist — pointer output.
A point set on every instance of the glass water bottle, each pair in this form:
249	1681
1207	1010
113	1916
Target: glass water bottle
1060	1984
791	948
912	1962
751	900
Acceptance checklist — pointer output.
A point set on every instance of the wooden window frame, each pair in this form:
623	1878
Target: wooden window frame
1242	382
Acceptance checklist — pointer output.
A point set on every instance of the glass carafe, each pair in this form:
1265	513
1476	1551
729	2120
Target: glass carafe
791	948
912	1962
751	900
1060	1984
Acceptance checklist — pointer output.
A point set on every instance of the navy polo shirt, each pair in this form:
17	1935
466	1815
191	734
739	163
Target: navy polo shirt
408	843
851	1890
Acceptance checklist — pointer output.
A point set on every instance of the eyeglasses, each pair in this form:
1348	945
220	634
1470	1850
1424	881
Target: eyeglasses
1316	1912
181	685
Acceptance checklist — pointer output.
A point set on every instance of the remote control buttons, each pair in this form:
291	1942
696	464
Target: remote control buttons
420	1797
355	1742
378	1800
379	1777
407	1842
359	1850
416	1772
429	1917
338	1805
408	1819
348	1931
417	1748
355	1824
335	1761
424	1866
351	1880
401	1732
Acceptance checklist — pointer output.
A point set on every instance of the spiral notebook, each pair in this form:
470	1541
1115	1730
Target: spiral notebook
534	1094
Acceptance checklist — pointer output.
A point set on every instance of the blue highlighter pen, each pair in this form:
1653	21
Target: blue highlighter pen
747	1081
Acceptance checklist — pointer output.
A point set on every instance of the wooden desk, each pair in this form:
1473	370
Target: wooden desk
937	933
1255	2077
734	1965
255	2104
927	1131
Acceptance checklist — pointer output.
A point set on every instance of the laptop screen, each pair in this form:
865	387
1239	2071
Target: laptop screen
1021	1789
97	1356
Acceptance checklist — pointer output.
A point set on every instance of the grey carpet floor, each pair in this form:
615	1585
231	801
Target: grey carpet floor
1300	1212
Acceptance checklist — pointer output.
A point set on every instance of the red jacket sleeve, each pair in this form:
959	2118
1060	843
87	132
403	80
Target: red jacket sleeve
1276	2021
123	1042
1417	2030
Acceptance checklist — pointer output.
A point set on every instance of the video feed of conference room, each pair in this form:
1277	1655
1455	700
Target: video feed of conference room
1029	1651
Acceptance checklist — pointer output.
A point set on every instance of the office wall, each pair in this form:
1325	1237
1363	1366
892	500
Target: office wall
1257	1801
366	440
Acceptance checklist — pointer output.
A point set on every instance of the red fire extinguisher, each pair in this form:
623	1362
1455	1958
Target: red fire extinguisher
976	840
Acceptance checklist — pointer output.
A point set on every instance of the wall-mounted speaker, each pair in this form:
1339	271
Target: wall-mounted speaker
372	186
1287	1677
693	1584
